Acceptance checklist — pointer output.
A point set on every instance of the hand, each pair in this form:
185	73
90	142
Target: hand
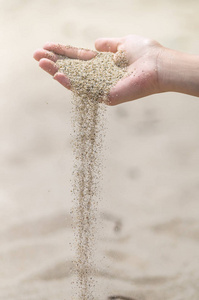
153	68
142	55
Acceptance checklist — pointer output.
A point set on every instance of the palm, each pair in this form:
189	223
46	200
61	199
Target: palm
142	56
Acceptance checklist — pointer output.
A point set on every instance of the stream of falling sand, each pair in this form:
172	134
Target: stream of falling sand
90	80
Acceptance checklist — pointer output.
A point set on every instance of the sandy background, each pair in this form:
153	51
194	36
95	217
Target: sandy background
150	206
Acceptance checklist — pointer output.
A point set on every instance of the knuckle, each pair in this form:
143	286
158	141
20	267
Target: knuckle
151	42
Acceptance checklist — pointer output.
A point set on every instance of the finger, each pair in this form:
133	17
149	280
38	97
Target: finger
41	53
61	78
48	66
71	52
108	44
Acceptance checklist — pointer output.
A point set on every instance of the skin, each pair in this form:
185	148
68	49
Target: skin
154	68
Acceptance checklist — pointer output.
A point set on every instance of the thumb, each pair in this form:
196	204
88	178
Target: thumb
108	44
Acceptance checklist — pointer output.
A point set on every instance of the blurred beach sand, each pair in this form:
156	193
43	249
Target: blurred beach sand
149	241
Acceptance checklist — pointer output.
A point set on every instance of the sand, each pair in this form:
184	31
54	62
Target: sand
90	82
149	208
93	79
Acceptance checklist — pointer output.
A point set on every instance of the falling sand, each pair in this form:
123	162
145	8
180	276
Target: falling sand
91	81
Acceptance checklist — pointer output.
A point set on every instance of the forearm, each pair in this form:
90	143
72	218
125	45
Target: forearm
179	72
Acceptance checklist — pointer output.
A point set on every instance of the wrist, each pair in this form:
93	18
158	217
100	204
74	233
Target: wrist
178	72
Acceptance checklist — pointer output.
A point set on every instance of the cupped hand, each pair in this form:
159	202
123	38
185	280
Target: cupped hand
142	55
